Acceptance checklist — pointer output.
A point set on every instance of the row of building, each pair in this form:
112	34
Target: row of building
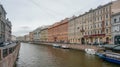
96	25
5	26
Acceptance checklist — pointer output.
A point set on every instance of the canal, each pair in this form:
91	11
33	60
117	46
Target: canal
32	55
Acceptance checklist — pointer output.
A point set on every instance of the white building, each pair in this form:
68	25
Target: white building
26	38
116	28
13	38
36	36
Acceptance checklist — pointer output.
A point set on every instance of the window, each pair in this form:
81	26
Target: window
115	20
116	28
100	25
95	26
106	30
119	27
98	31
106	23
95	32
119	19
106	15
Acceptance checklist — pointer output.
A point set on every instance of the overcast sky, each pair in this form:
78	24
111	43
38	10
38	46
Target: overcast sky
26	15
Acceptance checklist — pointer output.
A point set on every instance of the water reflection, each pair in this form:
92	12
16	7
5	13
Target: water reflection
32	55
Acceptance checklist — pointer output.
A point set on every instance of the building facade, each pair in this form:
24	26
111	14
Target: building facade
8	28
2	24
73	23
13	38
58	32
36	34
93	26
31	36
26	38
44	34
20	38
116	28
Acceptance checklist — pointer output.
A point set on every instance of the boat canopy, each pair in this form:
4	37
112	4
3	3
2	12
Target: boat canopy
117	48
111	46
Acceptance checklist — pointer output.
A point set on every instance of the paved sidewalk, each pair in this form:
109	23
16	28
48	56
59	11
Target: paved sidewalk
76	46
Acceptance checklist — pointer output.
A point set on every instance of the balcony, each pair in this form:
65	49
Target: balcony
94	35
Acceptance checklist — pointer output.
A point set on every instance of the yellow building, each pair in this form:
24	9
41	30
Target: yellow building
94	25
44	34
31	36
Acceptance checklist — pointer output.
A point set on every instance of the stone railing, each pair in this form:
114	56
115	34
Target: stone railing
9	54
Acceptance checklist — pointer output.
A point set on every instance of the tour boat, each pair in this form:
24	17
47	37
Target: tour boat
56	45
110	56
90	51
64	47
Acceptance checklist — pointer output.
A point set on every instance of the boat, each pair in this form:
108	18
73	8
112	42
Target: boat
56	46
110	56
64	47
90	51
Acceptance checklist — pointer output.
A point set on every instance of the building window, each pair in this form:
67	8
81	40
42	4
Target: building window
88	33
115	20
95	25
95	32
116	28
119	27
106	23
98	32
106	30
106	16
119	19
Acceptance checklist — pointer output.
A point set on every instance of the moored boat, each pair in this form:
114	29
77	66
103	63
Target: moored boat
90	51
110	56
56	46
64	47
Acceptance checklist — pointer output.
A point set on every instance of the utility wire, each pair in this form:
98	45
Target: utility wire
82	10
46	10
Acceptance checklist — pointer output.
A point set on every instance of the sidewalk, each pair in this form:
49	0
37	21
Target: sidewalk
76	46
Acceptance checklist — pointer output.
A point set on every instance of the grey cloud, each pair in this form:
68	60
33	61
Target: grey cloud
44	12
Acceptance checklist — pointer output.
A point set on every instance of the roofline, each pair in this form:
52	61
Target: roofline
116	14
3	8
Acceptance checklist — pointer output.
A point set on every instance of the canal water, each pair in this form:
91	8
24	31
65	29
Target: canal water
32	55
